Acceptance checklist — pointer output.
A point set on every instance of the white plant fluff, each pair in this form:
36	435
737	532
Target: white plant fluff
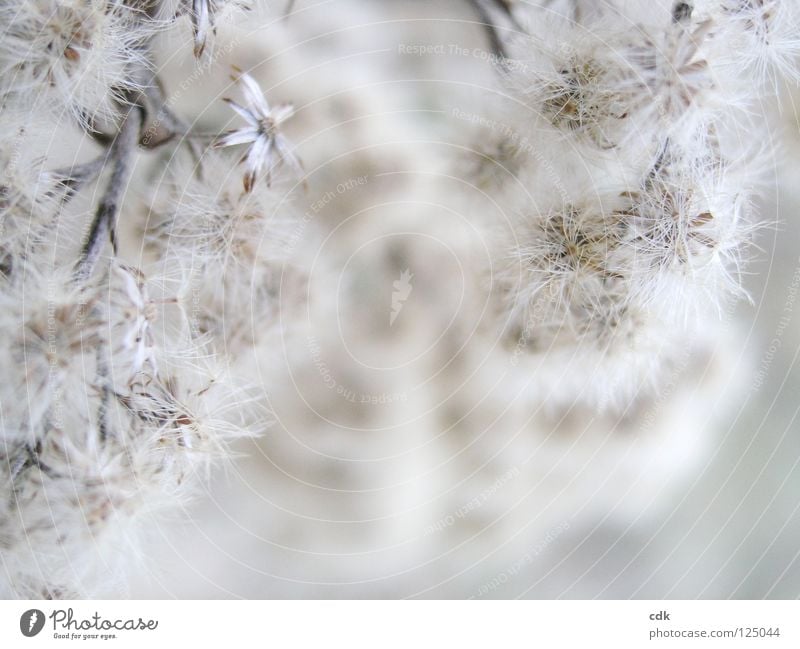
229	243
631	139
118	406
82	55
148	252
101	425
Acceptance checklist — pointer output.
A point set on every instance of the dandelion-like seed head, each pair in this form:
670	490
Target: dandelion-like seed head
760	37
95	432
581	99
232	245
75	53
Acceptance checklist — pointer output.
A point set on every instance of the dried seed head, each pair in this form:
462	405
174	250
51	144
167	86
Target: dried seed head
75	53
92	436
232	246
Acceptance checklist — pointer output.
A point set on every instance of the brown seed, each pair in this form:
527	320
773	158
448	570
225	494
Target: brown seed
183	420
72	54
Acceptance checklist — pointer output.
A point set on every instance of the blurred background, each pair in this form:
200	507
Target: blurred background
407	453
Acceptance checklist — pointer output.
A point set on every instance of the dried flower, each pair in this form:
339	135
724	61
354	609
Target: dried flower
667	74
650	232
81	54
231	245
91	436
581	99
644	84
268	146
203	14
759	37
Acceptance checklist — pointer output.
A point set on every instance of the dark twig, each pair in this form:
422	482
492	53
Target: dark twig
490	26
162	125
73	179
104	223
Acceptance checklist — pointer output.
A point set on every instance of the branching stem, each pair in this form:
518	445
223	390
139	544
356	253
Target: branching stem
104	223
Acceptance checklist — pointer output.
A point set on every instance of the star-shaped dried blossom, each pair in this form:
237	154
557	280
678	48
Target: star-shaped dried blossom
268	146
136	313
